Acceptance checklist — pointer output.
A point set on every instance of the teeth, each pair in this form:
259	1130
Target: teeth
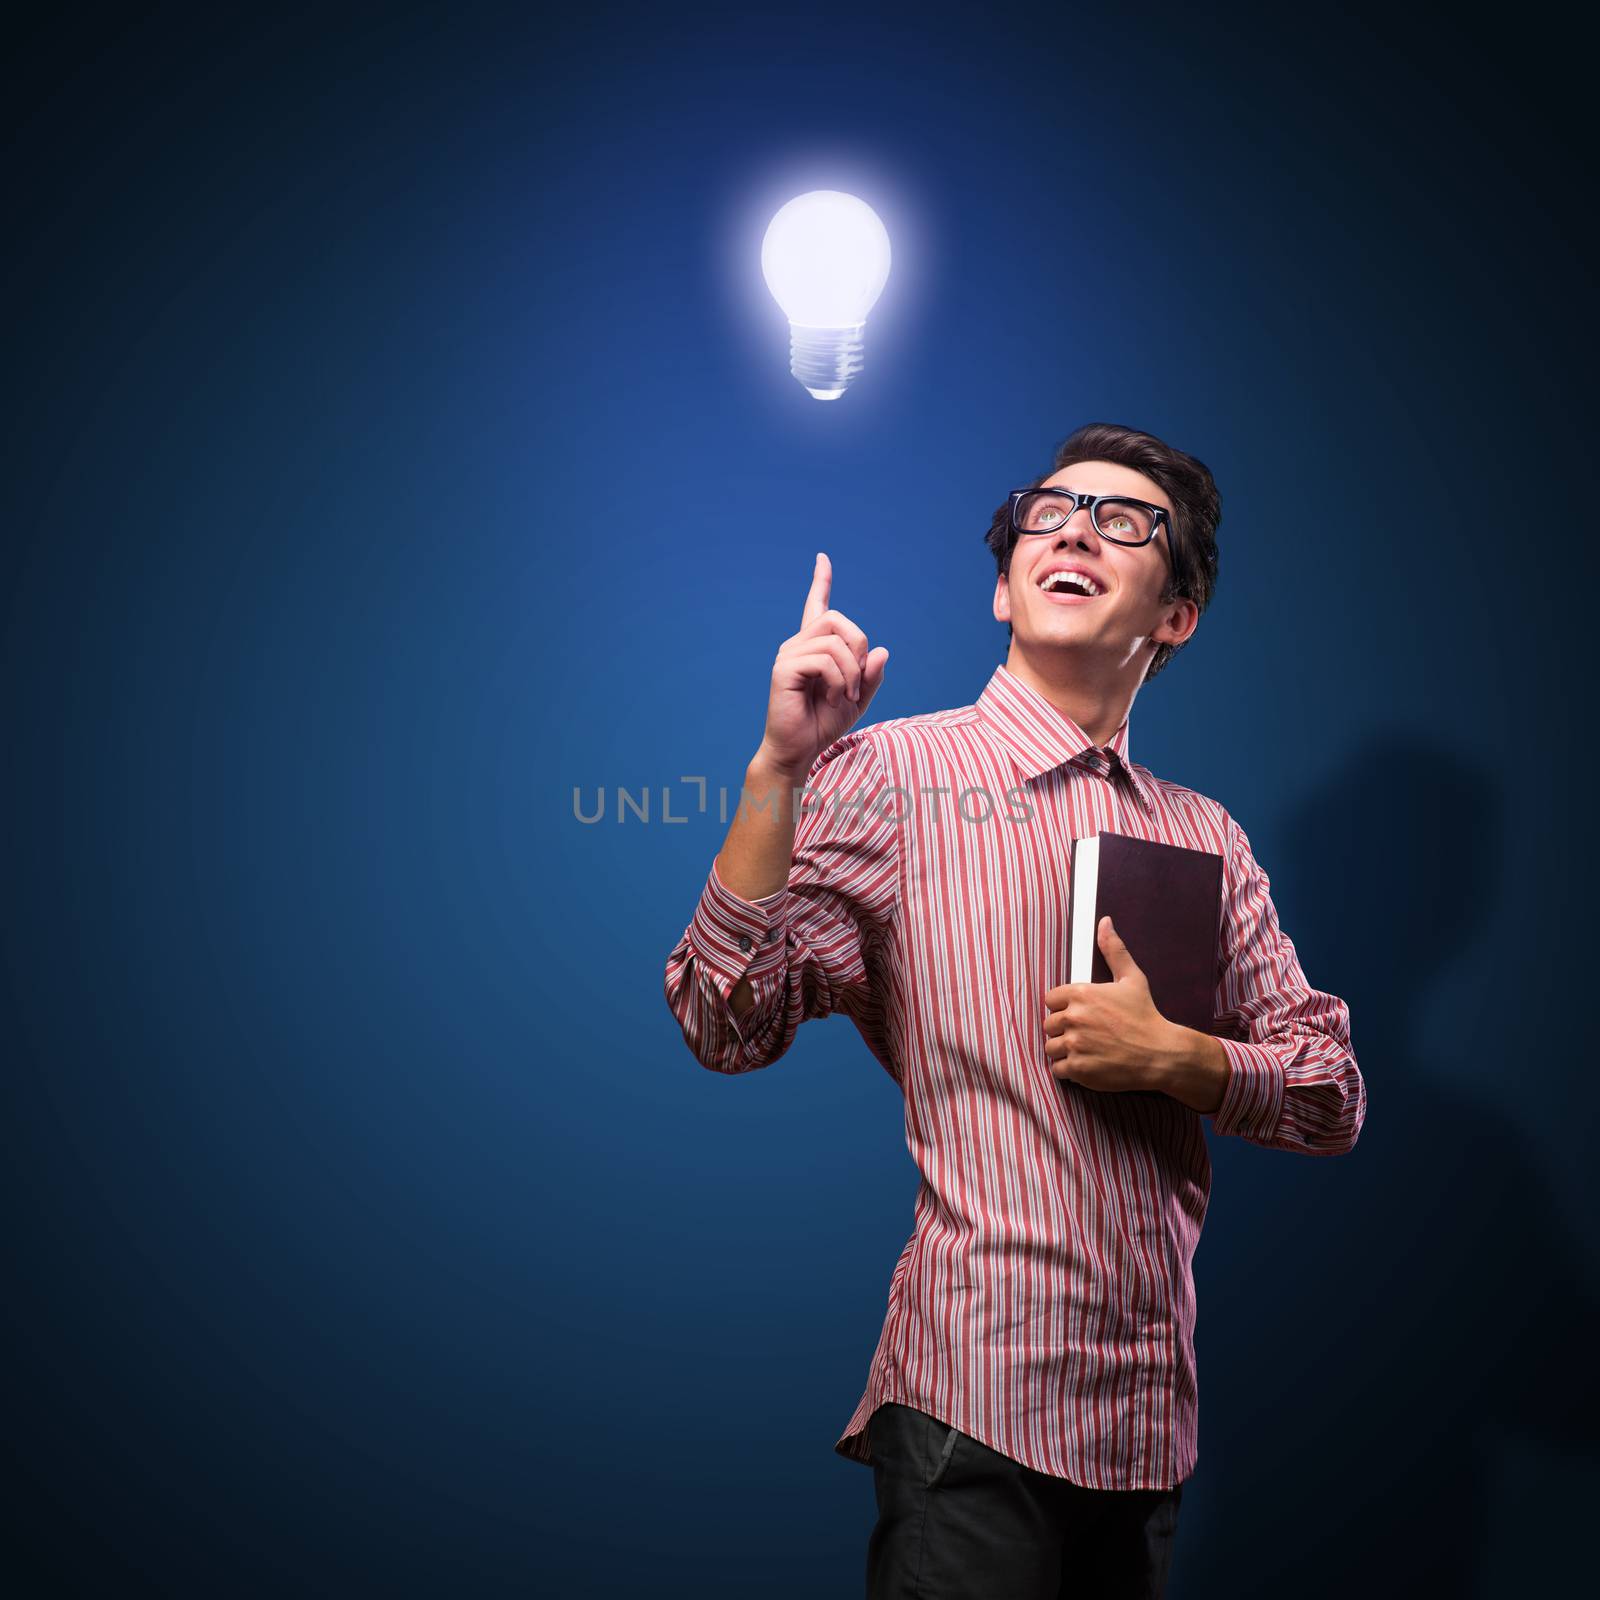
1062	580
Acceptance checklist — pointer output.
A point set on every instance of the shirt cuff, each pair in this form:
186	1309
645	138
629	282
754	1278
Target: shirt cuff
735	938
1252	1102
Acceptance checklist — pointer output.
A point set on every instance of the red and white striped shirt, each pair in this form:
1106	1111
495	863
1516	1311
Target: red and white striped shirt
1044	1302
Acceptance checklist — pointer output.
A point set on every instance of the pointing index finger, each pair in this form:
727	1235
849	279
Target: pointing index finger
821	586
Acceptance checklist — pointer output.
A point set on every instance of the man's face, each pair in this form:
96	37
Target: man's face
1127	611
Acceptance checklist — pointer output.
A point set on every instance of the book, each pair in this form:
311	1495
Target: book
1165	901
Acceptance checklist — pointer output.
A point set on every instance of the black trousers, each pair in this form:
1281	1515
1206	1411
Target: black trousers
959	1521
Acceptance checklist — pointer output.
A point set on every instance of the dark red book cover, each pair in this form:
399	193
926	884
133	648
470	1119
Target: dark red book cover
1166	902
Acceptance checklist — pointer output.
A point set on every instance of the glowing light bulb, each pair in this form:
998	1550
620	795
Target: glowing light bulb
825	258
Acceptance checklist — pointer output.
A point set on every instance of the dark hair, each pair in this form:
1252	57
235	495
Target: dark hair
1196	511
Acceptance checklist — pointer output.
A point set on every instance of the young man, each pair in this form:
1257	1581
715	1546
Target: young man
1030	1412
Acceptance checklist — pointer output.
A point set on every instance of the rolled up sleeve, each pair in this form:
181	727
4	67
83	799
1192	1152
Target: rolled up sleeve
816	946
1293	1083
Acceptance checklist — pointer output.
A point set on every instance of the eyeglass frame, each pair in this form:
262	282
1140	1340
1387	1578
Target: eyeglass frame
1091	502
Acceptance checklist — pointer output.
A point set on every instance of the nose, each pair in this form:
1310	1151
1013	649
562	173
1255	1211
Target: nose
1079	526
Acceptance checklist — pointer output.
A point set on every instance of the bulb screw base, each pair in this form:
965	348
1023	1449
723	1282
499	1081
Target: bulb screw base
825	359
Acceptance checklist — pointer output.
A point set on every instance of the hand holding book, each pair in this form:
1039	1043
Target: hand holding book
1109	1036
1148	1027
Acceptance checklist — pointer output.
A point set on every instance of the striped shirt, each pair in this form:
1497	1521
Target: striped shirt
1044	1303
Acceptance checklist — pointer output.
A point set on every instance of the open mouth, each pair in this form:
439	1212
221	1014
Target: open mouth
1067	588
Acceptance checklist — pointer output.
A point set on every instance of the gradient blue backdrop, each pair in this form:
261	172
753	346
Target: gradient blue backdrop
401	439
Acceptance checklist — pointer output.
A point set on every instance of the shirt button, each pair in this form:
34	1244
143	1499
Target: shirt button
744	942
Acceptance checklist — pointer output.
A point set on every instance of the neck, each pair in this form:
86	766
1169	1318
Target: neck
1096	696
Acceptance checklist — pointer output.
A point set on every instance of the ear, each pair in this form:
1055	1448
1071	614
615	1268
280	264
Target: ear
1002	599
1180	622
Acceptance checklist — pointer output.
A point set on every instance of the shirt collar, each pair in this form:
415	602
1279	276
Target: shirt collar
1040	737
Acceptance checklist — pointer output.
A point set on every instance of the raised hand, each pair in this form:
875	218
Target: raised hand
824	677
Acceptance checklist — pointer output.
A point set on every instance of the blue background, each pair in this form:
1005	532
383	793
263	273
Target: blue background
401	439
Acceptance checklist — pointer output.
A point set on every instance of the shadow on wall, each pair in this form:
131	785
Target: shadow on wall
1380	1329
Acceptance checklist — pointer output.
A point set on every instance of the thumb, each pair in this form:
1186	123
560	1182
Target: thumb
1117	954
877	659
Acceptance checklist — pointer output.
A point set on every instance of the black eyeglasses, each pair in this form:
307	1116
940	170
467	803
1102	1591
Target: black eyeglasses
1115	516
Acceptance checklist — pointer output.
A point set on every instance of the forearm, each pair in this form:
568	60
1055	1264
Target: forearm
1195	1070
756	855
759	849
